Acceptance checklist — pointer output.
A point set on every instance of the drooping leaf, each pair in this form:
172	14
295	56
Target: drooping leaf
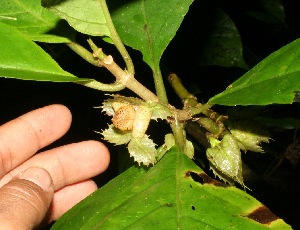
148	26
21	58
223	45
167	197
83	15
274	80
37	23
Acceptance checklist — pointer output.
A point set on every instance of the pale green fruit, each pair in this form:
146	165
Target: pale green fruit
225	159
250	135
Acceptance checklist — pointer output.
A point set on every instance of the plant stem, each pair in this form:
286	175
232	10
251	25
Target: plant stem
88	56
188	99
128	80
123	77
115	38
179	135
159	85
181	91
84	53
101	86
212	122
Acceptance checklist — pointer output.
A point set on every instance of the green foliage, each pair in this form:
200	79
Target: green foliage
149	26
166	197
175	189
34	21
85	16
21	58
273	80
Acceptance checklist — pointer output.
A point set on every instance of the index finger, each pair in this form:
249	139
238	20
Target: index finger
25	135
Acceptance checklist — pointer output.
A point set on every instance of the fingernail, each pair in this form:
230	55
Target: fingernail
39	176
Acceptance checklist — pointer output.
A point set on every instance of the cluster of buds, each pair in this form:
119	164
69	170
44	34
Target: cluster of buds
131	118
225	155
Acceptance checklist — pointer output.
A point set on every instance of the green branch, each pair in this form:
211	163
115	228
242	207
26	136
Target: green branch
88	56
123	77
115	38
212	122
159	85
84	53
101	86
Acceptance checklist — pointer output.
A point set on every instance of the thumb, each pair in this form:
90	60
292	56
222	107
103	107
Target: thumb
24	201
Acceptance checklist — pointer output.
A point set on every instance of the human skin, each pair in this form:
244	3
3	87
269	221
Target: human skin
38	188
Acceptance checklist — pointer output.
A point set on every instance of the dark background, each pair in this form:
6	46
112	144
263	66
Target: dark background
280	193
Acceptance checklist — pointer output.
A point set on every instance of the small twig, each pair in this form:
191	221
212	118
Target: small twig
84	53
123	77
88	56
115	38
212	122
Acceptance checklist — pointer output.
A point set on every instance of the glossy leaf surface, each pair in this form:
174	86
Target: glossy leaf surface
83	15
37	23
167	197
148	26
276	79
26	60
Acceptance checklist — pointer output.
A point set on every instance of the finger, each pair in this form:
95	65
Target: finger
23	136
69	164
24	201
65	198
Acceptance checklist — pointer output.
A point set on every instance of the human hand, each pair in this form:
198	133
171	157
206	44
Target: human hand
39	188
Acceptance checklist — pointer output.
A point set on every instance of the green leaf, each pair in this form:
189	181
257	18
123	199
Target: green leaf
167	197
148	26
21	58
37	23
85	16
274	80
223	45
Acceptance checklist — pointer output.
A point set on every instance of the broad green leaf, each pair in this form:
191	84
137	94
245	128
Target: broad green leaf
85	16
223	45
31	19
276	79
148	26
21	58
174	194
